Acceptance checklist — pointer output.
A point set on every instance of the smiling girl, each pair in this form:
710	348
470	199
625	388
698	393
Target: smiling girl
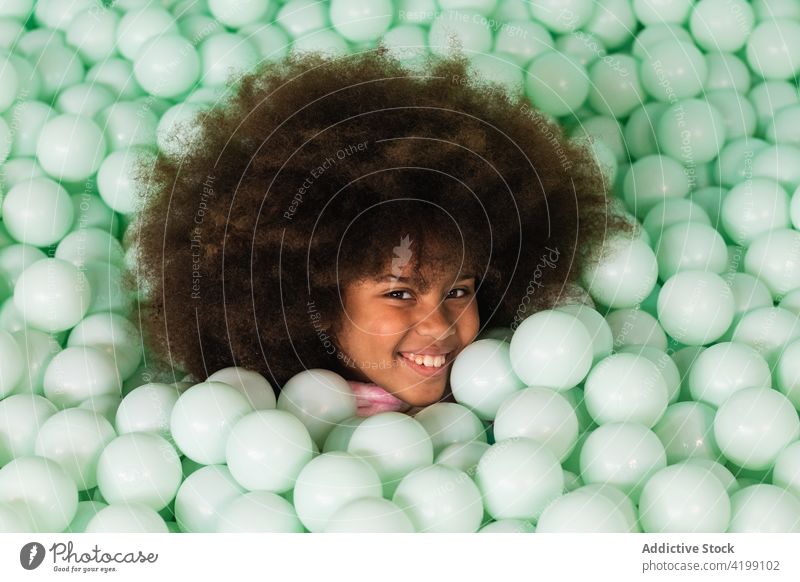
352	215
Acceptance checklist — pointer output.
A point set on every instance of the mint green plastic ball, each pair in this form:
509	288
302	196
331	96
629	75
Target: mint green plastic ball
360	20
202	497
652	180
167	66
674	211
779	163
70	147
552	349
684	498
75	438
582	511
556	83
266	449
51	282
738	114
541	414
463	456
524	39
38	212
201	431
626	388
623	454
764	508
447	423
320	399
622	274
721	25
687	432
421	495
656	11
482	377
725	368
562	16
786	471
329	482
225	57
695	307
394	444
369	515
692	131
138	26
735	161
779	128
126	518
691	246
258	512
612	22
615	86
727	71
773	49
674	69
770	96
787	373
753	207
753	425
23	415
454	26
656	32
596	325
664	363
44	487
518	477
236	15
767	330
774	257
139	468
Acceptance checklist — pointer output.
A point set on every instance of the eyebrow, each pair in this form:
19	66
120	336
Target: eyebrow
406	279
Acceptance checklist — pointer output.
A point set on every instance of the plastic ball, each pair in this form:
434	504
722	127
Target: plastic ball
138	26
202	497
725	368
258	512
47	494
360	20
518	477
582	511
481	377
622	454
320	399
167	66
552	349
200	431
623	274
266	449
239	14
634	327
673	69
75	438
767	330
542	415
753	425
773	48
80	372
684	498
139	468
440	499
764	508
774	257
652	180
126	518
453	26
37	212
695	307
556	83
369	515
692	131
596	325
721	25
394	444
251	384
448	423
626	388
329	482
147	409
49	283
23	416
70	147
462	456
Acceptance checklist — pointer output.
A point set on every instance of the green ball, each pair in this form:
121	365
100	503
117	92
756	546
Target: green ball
691	131
556	84
674	69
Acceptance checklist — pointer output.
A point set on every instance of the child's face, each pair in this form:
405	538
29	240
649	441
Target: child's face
383	319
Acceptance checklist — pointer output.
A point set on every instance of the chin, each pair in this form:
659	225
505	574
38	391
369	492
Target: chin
422	395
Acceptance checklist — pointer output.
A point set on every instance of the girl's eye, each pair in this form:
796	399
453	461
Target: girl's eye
392	295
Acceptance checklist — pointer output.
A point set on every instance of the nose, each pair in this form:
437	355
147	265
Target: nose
436	322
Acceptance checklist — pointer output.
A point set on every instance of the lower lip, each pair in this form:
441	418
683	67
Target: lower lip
424	370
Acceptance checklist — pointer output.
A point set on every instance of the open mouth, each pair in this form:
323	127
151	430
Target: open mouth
426	365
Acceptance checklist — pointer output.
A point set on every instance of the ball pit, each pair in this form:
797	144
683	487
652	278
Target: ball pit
665	400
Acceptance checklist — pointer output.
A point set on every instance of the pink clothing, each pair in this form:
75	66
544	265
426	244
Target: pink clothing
372	399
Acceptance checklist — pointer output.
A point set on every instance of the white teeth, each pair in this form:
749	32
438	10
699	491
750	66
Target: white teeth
427	360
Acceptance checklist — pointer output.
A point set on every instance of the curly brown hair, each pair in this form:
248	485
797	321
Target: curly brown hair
312	174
